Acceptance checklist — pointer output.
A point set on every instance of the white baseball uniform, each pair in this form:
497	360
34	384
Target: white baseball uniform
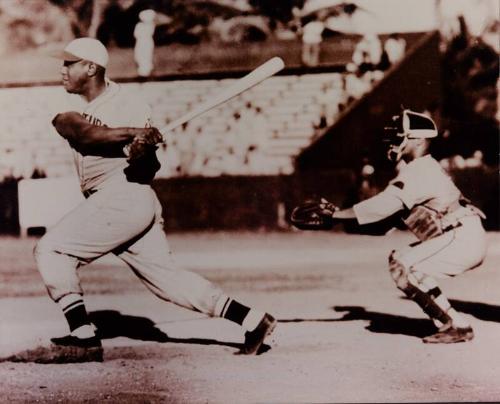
462	246
117	216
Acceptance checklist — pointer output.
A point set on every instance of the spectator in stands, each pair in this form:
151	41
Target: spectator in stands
261	133
212	167
367	54
232	163
457	162
322	122
239	131
169	157
186	148
476	160
311	39
256	162
394	48
329	100
144	42
204	146
356	85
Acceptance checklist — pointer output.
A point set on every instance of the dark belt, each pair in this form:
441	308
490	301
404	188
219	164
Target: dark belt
452	226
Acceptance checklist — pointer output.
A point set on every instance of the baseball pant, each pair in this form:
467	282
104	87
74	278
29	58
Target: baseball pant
126	220
449	254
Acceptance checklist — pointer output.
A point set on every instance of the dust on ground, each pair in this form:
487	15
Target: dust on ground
345	334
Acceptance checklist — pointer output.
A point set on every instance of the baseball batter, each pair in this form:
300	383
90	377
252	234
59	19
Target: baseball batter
114	149
451	238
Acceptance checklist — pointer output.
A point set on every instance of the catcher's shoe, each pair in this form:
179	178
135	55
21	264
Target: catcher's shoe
450	335
254	339
73	349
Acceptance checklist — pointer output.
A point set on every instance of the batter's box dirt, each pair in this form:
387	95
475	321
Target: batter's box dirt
56	354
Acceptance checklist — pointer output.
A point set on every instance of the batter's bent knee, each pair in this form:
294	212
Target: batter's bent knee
58	270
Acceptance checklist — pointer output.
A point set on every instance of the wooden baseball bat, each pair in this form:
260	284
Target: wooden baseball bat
259	74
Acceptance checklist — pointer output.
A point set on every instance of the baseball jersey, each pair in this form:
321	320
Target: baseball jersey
113	108
420	182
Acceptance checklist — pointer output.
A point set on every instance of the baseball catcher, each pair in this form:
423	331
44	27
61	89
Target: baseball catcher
451	238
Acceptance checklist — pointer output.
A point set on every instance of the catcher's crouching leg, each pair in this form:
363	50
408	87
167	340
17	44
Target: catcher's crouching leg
403	279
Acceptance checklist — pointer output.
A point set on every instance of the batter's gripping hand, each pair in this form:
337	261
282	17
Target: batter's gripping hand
314	215
143	143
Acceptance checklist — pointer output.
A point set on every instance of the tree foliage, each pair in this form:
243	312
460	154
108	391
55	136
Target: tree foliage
469	77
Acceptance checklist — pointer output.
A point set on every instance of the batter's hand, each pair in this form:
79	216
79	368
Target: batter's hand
143	143
151	136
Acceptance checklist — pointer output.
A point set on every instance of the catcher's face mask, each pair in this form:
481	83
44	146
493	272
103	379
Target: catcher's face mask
395	138
408	125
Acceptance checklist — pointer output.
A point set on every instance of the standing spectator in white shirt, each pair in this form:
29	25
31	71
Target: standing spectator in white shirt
144	42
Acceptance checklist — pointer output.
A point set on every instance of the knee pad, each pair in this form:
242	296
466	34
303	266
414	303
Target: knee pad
398	271
407	282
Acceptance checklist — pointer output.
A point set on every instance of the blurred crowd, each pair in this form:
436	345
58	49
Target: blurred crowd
260	132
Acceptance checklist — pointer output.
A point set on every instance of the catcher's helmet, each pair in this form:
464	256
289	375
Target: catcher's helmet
408	125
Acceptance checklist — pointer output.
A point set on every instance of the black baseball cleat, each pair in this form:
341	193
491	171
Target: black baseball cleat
450	335
74	349
254	339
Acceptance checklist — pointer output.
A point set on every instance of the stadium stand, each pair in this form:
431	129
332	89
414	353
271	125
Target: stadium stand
260	132
260	146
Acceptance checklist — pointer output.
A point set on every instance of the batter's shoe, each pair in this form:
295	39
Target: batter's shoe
450	335
72	349
254	339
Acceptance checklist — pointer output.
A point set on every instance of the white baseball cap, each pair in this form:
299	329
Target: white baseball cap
84	49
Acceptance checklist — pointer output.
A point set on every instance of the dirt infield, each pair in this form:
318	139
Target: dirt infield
345	334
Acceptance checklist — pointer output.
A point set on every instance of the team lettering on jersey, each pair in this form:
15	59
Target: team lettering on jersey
93	120
97	122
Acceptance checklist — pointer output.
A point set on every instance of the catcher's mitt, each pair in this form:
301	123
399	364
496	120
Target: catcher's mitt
314	215
143	143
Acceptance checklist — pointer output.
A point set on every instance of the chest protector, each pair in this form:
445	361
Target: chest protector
424	222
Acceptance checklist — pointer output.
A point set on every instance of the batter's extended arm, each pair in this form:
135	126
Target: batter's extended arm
89	139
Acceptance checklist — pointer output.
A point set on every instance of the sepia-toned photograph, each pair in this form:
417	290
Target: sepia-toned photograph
249	201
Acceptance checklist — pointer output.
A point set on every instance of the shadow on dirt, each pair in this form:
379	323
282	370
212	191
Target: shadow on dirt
388	323
112	324
482	311
379	322
394	324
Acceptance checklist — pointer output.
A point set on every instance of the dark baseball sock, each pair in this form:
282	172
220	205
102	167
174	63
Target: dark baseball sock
74	310
236	312
245	316
427	303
